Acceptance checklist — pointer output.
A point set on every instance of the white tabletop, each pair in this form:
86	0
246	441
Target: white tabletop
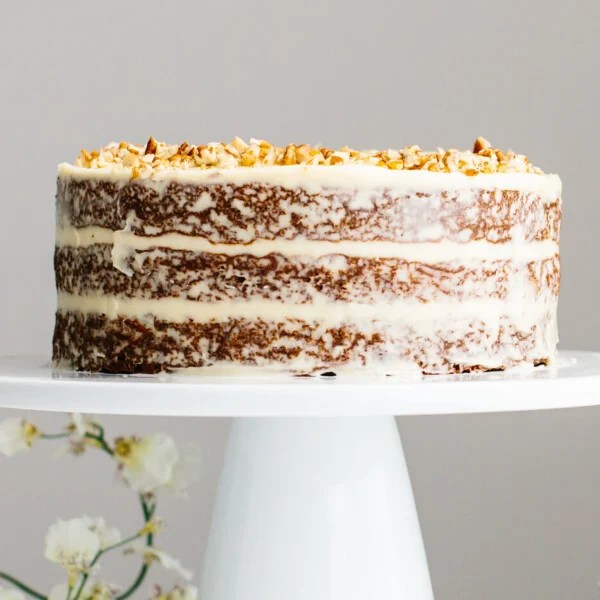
28	382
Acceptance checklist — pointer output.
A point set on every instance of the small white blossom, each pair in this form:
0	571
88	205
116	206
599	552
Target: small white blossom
188	592
16	435
81	424
151	554
75	543
92	590
108	536
148	463
185	471
11	594
78	427
168	562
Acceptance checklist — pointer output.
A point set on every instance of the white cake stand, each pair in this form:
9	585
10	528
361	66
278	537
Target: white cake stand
313	503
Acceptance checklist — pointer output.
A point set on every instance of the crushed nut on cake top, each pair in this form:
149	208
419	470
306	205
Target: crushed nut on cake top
157	156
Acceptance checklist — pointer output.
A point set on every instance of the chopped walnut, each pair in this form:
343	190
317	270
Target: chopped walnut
481	144
151	146
158	156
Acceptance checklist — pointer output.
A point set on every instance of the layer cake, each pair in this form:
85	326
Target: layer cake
249	258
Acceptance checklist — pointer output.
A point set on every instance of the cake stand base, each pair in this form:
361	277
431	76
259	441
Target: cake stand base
315	508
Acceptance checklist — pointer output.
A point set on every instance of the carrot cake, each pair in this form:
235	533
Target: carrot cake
250	258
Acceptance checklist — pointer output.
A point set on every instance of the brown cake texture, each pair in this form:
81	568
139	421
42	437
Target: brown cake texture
252	259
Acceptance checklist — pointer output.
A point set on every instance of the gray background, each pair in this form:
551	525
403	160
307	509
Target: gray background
509	504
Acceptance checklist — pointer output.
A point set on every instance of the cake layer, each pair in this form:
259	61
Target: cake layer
95	342
315	203
209	277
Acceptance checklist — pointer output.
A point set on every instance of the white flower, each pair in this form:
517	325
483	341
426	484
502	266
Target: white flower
168	562
188	592
78	427
80	424
108	536
77	443
11	594
75	543
92	590
147	463
185	471
16	435
151	554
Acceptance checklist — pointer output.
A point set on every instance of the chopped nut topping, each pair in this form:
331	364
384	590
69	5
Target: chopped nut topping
151	146
157	156
480	144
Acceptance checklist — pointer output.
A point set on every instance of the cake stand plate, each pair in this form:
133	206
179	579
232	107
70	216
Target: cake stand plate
313	503
30	383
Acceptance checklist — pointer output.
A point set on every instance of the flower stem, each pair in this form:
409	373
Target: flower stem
121	543
22	586
148	512
55	436
99	439
136	584
99	429
83	580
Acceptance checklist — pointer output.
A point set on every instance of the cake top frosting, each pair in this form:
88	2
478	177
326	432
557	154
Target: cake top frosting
158	156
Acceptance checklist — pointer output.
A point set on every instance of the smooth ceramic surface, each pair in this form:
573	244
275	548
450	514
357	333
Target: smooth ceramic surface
315	509
28	383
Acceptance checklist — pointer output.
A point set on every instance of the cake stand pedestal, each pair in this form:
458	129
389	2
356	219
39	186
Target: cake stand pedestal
315	501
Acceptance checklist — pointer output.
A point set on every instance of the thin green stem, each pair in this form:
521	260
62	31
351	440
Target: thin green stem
84	579
22	586
55	436
70	592
136	584
101	443
86	575
99	429
145	508
119	544
148	512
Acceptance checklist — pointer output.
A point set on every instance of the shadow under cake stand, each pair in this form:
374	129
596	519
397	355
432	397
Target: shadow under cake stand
315	500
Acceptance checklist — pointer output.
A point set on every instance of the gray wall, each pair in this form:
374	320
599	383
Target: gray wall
508	503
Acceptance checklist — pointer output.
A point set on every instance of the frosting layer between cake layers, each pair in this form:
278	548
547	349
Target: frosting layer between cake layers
306	269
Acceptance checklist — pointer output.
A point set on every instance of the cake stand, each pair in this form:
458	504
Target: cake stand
315	500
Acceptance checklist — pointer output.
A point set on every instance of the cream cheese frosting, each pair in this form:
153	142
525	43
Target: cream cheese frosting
125	242
315	177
